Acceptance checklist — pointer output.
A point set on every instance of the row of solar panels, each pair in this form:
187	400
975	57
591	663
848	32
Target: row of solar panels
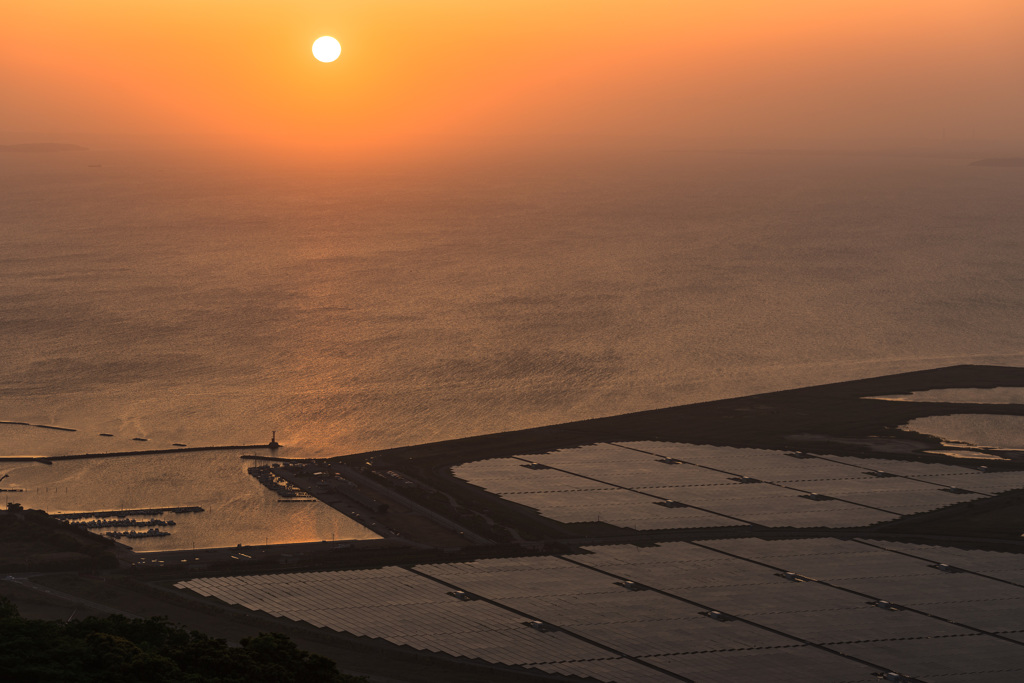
649	609
631	484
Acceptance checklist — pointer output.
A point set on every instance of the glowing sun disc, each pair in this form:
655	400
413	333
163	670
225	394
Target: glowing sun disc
326	49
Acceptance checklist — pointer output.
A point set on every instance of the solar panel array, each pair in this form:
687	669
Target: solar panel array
718	611
659	485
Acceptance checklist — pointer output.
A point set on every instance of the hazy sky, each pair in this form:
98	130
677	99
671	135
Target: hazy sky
414	73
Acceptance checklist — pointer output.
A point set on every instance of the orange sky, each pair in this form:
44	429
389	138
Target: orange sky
413	73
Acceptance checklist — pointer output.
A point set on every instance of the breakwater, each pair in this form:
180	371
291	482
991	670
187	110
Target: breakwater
29	424
48	459
123	522
274	458
127	513
158	451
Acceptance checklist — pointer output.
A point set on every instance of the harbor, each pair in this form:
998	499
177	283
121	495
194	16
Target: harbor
124	519
209	494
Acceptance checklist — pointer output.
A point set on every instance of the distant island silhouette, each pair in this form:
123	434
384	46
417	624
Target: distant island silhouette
43	147
1000	161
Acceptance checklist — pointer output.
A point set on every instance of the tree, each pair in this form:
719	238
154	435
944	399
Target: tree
115	649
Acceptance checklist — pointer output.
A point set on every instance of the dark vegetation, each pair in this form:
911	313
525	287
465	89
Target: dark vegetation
115	649
31	540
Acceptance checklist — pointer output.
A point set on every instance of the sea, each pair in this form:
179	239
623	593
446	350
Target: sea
353	306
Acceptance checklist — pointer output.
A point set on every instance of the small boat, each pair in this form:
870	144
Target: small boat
138	438
106	434
183	445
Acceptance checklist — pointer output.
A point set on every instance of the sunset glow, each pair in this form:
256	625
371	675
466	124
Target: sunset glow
517	339
655	73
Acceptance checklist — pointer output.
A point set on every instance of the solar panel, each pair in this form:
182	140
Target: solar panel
599	479
1002	614
990	482
901	467
857	624
610	670
770	596
677	636
919	589
780	665
661	616
966	657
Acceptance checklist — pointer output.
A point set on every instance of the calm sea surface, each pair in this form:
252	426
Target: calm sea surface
206	304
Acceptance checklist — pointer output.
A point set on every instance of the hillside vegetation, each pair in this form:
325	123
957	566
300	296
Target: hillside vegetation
31	540
115	649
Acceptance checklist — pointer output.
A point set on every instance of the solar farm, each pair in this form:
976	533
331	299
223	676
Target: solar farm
656	485
807	535
719	609
817	535
824	610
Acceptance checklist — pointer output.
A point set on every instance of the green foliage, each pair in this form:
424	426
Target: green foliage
118	650
15	507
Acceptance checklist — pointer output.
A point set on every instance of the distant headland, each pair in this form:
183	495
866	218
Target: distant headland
1017	162
43	147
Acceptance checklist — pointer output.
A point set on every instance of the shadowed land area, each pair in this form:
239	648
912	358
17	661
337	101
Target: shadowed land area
30	540
114	649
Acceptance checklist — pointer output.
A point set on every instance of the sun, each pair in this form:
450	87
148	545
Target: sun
326	49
